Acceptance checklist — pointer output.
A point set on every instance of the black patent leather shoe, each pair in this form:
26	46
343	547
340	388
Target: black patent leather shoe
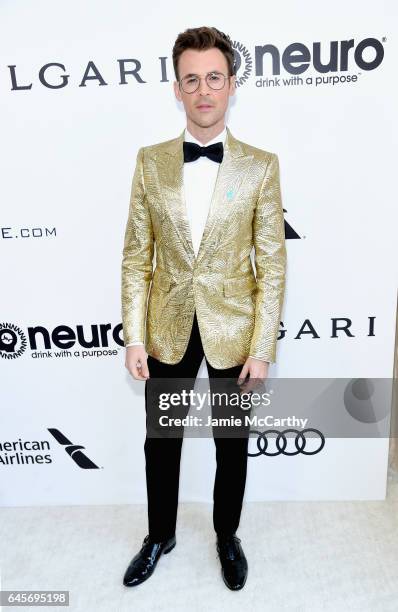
143	564
233	561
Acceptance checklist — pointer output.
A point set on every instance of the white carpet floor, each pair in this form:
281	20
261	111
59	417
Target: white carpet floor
302	556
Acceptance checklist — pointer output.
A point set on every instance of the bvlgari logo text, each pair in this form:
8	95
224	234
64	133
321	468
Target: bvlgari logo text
97	340
331	57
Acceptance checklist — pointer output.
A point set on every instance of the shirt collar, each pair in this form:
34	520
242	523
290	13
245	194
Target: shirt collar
221	137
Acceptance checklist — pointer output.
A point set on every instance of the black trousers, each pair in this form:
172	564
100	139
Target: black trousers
163	454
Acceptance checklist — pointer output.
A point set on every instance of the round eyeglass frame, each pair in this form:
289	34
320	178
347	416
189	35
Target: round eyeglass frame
200	78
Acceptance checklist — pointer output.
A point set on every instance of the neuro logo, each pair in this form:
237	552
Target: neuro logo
243	62
322	57
73	450
12	341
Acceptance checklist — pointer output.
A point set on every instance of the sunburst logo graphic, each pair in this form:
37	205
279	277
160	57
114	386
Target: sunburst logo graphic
12	341
243	63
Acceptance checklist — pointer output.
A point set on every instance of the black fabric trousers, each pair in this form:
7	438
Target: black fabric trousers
163	454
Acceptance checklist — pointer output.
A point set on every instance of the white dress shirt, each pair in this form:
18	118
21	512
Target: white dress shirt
199	178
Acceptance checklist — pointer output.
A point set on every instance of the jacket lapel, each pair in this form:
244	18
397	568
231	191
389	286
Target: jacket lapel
231	173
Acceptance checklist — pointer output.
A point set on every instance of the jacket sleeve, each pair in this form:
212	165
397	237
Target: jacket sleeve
137	259
270	262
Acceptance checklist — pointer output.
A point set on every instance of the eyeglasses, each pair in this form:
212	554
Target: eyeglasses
215	80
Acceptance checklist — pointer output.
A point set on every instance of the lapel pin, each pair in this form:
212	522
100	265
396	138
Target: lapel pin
230	194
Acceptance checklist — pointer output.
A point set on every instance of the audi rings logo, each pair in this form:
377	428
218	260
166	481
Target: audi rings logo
281	441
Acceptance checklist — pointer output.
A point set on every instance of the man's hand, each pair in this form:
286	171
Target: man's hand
136	362
257	371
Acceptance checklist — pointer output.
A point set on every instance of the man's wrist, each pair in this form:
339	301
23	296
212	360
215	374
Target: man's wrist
259	358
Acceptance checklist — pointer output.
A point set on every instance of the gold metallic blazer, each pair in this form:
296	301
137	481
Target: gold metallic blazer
238	311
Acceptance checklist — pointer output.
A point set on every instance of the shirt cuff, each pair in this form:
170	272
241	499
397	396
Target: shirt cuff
259	359
134	344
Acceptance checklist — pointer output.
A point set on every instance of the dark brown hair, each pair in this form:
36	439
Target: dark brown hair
203	38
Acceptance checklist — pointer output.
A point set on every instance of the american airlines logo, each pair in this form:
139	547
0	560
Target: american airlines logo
38	452
75	451
290	233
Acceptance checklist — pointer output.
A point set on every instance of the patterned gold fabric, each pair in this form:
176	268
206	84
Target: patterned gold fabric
238	312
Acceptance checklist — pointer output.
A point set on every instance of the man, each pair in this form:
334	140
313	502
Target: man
204	200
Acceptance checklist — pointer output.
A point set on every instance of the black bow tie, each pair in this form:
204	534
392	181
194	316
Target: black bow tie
192	151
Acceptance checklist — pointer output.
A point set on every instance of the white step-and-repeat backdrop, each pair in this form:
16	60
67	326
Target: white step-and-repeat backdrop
82	87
